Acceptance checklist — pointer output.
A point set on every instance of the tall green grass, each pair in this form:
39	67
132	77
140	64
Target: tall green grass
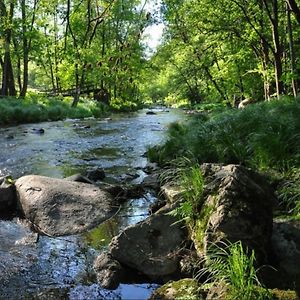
38	108
234	268
189	177
261	136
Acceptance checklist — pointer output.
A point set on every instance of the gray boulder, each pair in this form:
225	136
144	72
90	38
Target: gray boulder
286	248
8	198
151	247
237	206
59	207
109	271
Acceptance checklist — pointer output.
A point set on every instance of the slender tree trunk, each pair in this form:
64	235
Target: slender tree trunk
77	87
295	9
292	51
210	77
8	82
277	51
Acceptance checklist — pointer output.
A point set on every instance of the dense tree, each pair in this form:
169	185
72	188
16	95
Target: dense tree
232	49
72	44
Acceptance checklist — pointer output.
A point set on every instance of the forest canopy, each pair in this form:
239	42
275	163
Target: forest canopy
227	49
212	51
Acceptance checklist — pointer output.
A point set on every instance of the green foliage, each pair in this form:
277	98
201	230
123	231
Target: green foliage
264	135
37	108
121	105
184	289
188	176
289	191
232	266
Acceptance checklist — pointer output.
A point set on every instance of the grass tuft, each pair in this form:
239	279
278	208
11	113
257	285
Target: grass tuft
232	266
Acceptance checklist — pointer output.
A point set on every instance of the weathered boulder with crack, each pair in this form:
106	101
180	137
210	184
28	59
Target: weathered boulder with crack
60	207
238	205
151	247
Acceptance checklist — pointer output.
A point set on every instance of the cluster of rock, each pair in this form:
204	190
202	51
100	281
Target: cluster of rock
237	205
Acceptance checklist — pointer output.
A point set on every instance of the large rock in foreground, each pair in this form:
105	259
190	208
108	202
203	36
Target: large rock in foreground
238	206
151	247
59	207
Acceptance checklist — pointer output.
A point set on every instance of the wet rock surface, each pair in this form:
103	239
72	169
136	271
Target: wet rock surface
29	264
60	207
8	198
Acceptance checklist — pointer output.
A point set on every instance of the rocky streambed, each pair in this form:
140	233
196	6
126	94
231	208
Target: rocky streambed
60	266
53	248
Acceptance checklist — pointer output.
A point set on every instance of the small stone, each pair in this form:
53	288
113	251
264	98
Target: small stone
95	174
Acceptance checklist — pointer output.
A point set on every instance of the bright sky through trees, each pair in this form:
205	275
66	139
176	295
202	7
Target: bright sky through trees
153	34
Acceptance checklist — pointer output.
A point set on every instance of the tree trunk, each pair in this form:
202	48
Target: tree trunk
8	82
292	51
295	9
277	51
77	87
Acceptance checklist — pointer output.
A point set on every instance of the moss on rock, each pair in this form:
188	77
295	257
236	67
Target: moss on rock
184	289
284	295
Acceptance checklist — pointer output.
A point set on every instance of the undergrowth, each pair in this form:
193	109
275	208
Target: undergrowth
231	266
263	136
38	108
189	177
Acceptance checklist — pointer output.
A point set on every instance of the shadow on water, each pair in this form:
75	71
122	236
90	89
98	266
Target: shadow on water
61	268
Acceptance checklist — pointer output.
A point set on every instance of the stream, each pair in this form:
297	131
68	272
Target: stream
33	267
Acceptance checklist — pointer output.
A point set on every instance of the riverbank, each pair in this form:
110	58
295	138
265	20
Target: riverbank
264	138
39	108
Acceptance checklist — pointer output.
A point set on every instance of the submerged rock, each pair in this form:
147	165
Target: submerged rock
95	174
60	207
38	130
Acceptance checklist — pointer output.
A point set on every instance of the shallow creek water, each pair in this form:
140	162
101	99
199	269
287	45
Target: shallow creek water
33	267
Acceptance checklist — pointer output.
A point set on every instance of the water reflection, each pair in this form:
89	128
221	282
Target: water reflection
133	211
